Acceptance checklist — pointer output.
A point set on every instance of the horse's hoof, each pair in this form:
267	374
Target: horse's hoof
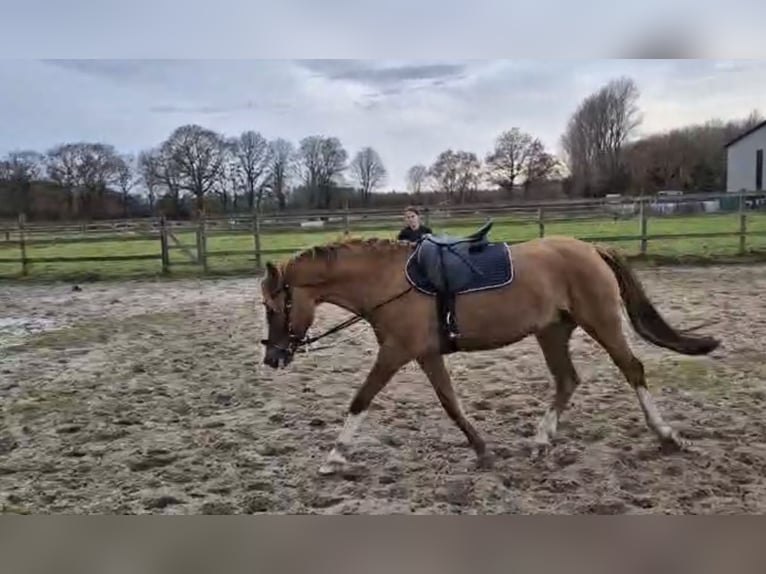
486	461
674	443
330	468
334	463
539	450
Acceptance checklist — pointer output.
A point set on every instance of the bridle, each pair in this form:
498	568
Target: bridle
294	342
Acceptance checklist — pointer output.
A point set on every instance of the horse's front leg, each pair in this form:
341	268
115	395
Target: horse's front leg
389	360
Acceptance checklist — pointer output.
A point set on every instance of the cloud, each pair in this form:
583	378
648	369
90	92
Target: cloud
121	70
408	110
212	110
381	75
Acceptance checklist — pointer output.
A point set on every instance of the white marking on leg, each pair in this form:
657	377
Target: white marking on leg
336	458
350	427
652	413
547	426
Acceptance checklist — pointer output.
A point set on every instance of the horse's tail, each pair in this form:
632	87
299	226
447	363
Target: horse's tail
645	318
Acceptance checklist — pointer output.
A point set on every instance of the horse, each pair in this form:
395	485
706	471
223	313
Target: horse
548	287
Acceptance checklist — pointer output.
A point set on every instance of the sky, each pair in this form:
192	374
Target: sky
409	111
409	80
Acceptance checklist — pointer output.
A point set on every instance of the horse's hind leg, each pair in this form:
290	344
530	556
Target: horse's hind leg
607	331
554	342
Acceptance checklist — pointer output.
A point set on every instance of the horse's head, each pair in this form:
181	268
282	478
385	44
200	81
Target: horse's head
289	314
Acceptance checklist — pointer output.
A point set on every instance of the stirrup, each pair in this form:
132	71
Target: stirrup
452	331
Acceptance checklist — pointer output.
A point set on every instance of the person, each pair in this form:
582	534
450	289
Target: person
414	230
445	302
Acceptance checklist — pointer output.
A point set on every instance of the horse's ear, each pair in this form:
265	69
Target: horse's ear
272	275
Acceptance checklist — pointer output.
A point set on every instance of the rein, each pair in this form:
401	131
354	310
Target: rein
297	343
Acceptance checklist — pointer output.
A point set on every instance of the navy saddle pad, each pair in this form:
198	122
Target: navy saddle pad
488	267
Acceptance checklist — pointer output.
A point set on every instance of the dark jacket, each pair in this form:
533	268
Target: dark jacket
409	234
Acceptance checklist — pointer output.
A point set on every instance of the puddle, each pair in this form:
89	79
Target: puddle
14	329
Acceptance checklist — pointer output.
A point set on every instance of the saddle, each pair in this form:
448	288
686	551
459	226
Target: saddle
446	259
446	266
477	238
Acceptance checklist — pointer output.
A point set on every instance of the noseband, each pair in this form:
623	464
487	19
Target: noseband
293	341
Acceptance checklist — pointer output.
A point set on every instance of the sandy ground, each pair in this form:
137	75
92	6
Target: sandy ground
151	397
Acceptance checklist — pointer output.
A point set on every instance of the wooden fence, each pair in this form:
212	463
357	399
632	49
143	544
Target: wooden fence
24	236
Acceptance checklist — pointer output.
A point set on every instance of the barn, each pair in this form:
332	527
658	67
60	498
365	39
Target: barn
744	160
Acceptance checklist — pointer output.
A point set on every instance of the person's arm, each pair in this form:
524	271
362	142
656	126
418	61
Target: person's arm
426	229
400	237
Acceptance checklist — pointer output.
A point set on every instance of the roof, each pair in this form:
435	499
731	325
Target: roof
743	135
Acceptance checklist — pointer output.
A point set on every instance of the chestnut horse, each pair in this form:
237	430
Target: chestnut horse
559	283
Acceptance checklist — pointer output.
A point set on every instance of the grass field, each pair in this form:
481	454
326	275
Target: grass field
505	229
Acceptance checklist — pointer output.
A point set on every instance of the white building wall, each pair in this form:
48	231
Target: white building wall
740	162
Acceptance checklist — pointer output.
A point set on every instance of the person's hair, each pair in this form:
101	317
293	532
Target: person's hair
413	209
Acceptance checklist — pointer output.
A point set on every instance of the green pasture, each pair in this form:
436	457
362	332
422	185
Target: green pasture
505	229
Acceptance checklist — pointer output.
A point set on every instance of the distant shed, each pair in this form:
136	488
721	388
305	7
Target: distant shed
744	160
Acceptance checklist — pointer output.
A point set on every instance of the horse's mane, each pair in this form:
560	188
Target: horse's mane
330	252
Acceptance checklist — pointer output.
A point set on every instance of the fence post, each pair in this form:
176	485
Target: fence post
23	245
642	223
257	239
165	254
198	237
202	242
346	223
742	224
541	222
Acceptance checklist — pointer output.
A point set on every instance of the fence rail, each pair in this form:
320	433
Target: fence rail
161	236
566	206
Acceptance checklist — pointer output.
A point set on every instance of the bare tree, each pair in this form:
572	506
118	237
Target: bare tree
150	172
127	178
253	158
416	177
508	161
88	168
100	170
229	181
596	134
456	173
539	166
321	160
368	171
469	174
690	158
444	171
281	168
20	169
63	166
196	155
158	171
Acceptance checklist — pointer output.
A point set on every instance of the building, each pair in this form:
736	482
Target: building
744	160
